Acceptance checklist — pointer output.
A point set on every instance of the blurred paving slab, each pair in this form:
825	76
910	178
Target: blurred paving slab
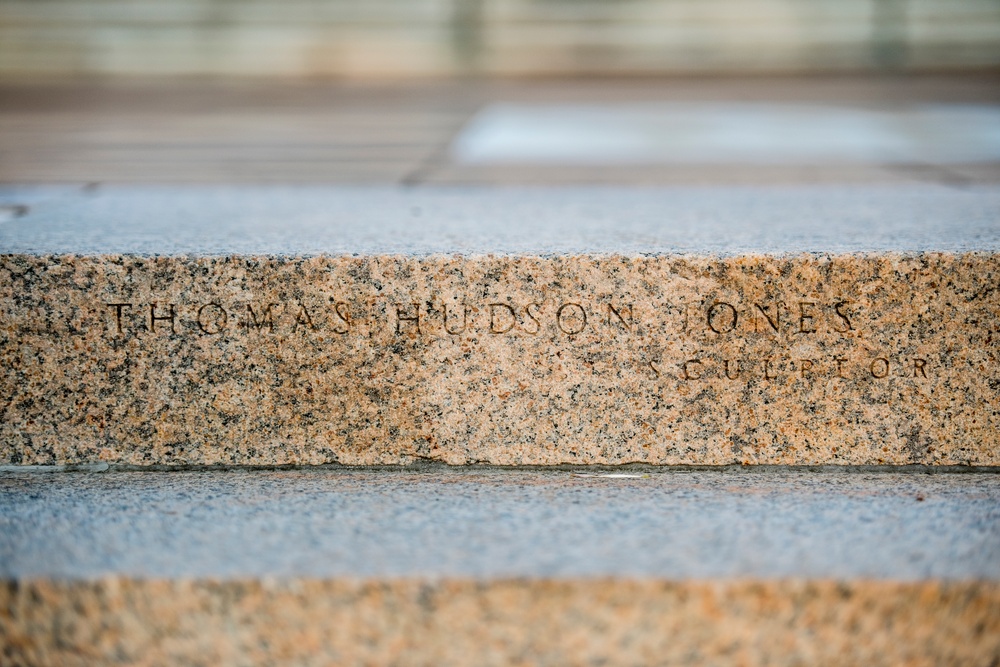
282	132
446	566
386	325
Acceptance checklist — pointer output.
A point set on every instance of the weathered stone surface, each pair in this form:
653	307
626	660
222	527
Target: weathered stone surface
465	622
737	336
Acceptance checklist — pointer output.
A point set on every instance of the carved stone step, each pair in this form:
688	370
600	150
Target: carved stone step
267	326
445	566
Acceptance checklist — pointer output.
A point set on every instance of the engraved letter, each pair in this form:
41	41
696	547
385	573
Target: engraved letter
840	366
768	375
497	327
214	325
454	331
775	323
879	367
267	319
805	367
527	312
726	327
400	318
118	312
847	323
920	366
618	314
689	373
577	323
806	317
154	318
303	318
730	374
341	310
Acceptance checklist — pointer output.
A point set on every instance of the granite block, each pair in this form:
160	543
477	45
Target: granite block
762	351
118	620
464	566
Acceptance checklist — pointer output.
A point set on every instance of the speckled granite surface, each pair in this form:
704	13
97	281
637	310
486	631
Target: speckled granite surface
767	346
511	622
497	567
508	360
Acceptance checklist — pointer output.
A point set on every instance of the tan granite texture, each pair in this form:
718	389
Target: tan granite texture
850	359
509	622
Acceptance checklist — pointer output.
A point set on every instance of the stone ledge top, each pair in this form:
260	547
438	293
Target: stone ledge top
500	524
378	220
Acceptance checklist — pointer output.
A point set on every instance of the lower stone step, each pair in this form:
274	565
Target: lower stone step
466	622
498	567
382	326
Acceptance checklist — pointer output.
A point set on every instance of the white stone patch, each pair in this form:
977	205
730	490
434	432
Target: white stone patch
728	133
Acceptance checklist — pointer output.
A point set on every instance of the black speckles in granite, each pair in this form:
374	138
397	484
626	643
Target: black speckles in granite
844	359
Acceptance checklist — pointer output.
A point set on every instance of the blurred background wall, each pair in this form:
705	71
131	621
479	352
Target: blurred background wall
403	38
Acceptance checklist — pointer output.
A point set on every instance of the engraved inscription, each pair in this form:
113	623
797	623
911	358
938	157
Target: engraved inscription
799	317
266	318
118	308
456	329
407	316
502	318
771	368
640	329
570	317
722	317
214	318
170	317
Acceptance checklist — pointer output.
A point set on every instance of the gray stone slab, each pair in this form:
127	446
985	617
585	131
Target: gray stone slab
430	220
501	523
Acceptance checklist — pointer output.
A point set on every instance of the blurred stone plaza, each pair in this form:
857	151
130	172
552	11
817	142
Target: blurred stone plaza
500	91
436	38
